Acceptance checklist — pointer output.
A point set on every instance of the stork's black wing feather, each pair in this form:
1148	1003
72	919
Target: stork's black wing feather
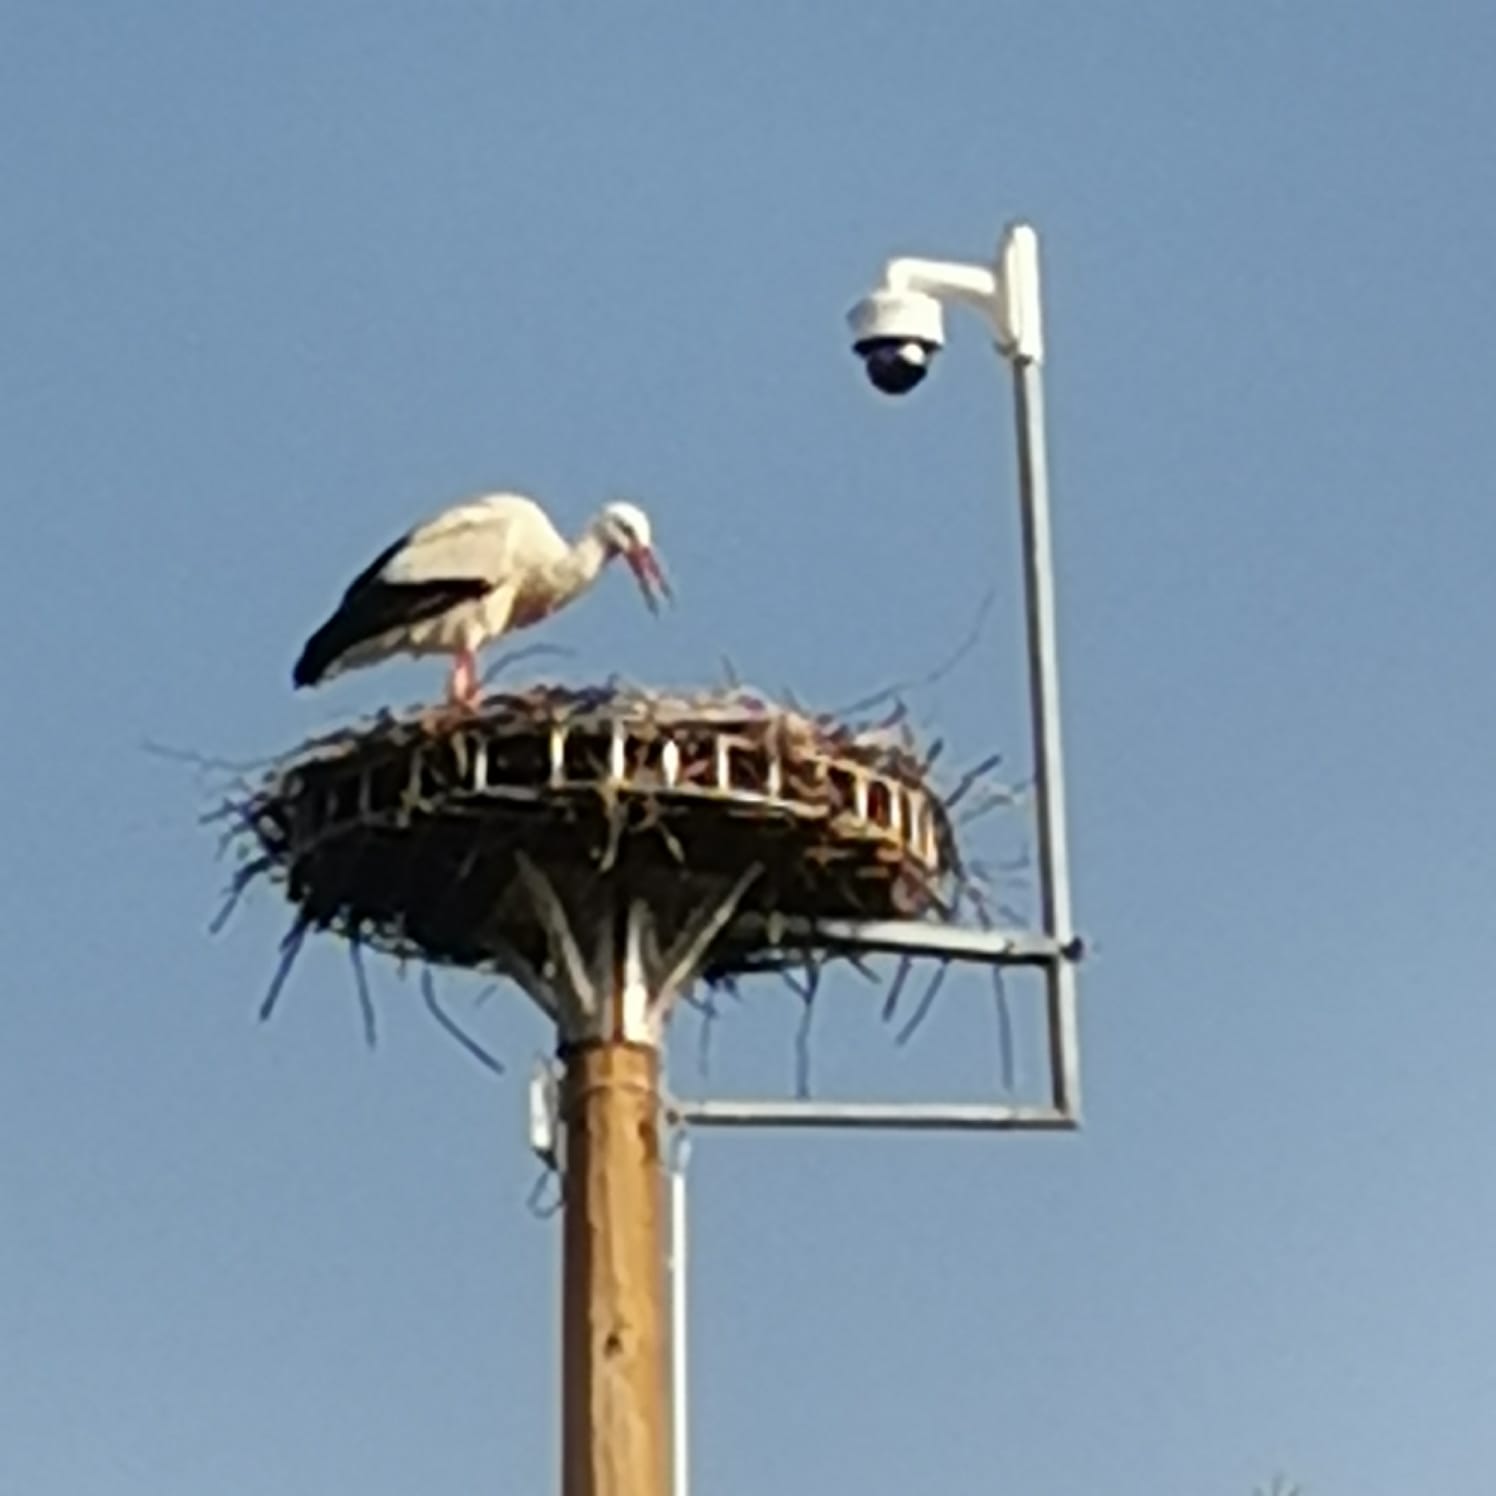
370	574
371	608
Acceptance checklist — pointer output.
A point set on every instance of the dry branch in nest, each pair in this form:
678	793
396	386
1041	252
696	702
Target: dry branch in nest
417	833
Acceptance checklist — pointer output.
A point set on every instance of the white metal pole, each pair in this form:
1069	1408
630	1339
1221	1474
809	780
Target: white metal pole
1044	692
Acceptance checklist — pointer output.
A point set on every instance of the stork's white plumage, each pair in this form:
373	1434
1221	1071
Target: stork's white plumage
476	571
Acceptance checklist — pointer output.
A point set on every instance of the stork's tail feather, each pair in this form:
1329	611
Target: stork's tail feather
345	629
319	654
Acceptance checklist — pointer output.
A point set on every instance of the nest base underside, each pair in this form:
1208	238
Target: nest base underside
449	888
423	839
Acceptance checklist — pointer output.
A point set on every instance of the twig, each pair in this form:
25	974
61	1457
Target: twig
361	981
968	779
290	948
1004	1029
802	1050
173	754
528	652
807	996
935	676
652	818
925	1004
974	891
540	1208
895	987
707	1007
618	816
991	801
237	887
450	1024
240	816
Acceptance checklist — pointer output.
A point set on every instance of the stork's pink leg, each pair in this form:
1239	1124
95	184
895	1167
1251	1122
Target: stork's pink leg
463	686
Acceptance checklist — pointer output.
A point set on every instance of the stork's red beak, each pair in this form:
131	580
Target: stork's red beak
646	568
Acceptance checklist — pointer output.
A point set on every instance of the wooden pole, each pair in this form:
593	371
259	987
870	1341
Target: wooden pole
614	1330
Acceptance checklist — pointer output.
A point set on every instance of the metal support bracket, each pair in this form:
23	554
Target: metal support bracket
1006	295
918	937
908	1116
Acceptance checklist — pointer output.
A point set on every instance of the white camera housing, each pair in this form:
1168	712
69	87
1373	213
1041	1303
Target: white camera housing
897	334
899	328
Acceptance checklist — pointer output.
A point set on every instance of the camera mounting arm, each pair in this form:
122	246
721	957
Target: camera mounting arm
1005	294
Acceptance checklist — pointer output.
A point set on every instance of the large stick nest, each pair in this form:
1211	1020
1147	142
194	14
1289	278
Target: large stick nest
419	833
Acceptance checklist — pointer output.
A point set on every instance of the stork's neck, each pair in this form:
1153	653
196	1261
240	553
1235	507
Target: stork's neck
579	567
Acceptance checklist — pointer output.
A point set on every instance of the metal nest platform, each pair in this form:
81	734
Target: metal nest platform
479	838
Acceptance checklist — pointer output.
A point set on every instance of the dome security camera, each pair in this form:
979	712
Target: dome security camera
897	334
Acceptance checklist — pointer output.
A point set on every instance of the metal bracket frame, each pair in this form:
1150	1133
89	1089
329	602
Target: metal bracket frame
978	947
1006	296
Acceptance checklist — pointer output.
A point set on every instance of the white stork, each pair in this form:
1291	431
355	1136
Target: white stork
476	571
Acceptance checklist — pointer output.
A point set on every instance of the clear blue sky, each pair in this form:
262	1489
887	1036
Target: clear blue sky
276	280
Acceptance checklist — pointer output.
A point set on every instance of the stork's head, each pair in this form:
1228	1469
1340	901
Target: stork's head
624	530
